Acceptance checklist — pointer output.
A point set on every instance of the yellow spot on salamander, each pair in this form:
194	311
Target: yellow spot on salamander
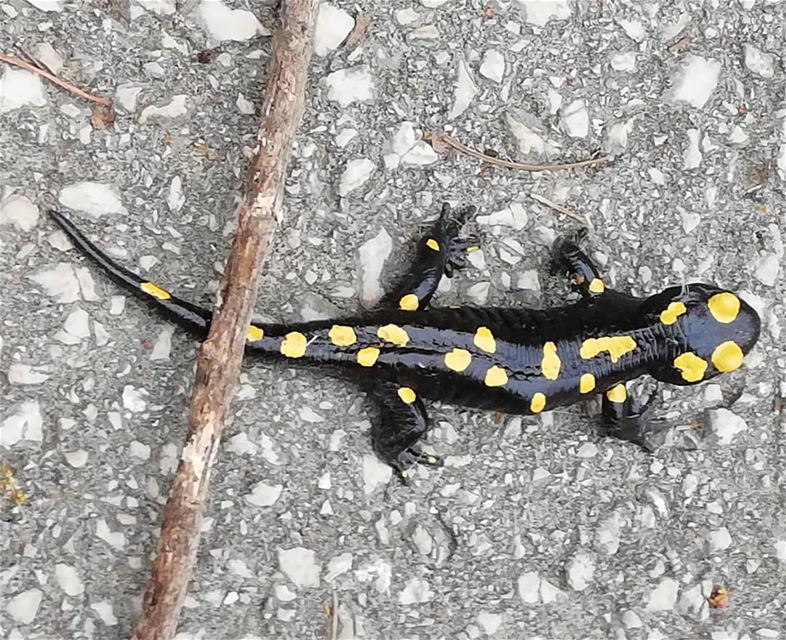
254	333
407	395
670	314
691	366
342	336
727	356
495	377
617	393
409	302
724	307
294	345
393	333
586	383
597	286
485	340
367	356
617	346
155	291
458	359
551	363
432	244
538	403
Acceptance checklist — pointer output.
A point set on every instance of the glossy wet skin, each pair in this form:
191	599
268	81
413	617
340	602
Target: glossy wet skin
710	330
508	359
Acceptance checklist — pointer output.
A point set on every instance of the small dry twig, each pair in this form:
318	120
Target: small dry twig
560	207
439	141
221	355
67	86
359	31
334	618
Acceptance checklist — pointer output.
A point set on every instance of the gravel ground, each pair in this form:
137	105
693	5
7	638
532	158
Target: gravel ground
536	528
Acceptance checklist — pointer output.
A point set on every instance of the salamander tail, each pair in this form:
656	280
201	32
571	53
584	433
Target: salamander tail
194	319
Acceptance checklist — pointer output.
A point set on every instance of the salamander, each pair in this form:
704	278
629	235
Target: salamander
514	360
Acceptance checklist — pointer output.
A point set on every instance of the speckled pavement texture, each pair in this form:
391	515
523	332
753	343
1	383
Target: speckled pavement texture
536	528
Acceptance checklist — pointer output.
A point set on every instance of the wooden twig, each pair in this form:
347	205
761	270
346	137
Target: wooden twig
221	355
440	139
560	207
334	617
18	62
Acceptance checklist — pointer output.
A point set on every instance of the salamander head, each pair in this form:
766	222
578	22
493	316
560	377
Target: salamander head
712	328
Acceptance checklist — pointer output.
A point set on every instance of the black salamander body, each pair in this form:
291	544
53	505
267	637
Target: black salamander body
514	360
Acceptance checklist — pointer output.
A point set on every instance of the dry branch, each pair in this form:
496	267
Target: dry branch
440	140
221	355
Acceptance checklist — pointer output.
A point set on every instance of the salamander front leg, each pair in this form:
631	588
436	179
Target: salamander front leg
439	252
567	255
623	420
403	421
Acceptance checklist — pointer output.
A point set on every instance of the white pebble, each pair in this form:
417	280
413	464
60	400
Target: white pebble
307	414
19	211
406	16
372	255
44	52
691	158
139	450
76	459
355	175
416	590
624	61
300	566
767	268
725	425
695	81
346	86
689	221
575	119
240	445
664	596
163	345
69	580
780	549
633	29
338	565
134	399
608	535
529	587
529	280
587	450
375	474
758	61
20	88
48	5
580	571
344	137
20	373
489	622
23	607
719	539
223	23
479	292
93	198
333	26
114	539
175	198
543	11
493	65
105	611
465	90
77	324
127	96
24	425
264	495
174	109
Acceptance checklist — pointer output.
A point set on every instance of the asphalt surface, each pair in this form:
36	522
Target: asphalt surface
536	528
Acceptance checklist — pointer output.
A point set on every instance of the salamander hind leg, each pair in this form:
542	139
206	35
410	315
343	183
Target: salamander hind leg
632	422
440	251
403	422
568	256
